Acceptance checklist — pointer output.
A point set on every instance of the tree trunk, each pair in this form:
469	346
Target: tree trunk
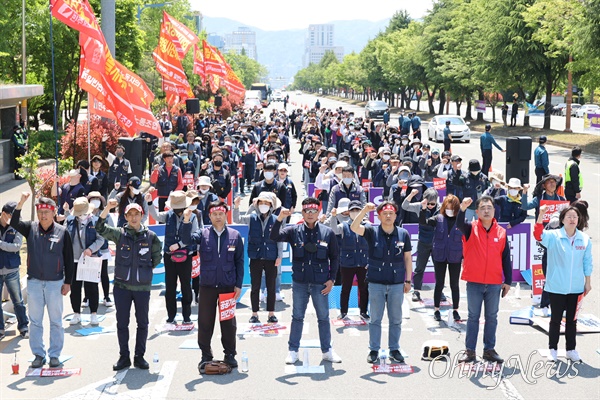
480	97
418	102
548	105
430	97
403	99
442	98
458	104
469	113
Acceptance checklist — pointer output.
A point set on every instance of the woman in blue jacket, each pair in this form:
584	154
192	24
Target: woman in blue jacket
447	251
569	270
509	205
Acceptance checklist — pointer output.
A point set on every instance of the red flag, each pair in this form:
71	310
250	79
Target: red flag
182	37
97	107
77	14
213	62
199	64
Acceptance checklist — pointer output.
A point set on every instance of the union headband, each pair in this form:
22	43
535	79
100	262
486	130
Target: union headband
217	209
310	206
45	206
387	207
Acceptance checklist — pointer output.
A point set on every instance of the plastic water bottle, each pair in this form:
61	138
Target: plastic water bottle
518	290
155	363
244	362
383	359
450	319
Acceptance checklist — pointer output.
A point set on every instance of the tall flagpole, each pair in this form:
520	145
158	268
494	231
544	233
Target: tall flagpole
54	96
89	134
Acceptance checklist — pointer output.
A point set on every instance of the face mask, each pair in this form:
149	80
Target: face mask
95	203
475	173
339	176
228	144
405	142
353	215
450	213
119	154
281	135
269	175
184	158
203	191
386	157
513	192
347	181
343	218
194	207
218	163
263	208
135	191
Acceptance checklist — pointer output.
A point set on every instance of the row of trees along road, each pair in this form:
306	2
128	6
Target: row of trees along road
471	49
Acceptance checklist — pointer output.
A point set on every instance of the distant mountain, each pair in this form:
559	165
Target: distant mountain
281	51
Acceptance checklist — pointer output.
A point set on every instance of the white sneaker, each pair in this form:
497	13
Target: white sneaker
292	357
278	297
85	303
545	312
553	356
573	355
108	302
331	356
94	320
75	320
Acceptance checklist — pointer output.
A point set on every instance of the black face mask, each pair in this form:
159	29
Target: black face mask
218	163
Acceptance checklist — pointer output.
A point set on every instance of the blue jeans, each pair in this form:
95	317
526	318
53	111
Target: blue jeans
300	294
46	294
13	285
488	295
379	296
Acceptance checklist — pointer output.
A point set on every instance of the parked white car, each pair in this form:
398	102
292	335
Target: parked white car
458	126
587	109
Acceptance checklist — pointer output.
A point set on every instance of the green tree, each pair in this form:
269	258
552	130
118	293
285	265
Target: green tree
399	21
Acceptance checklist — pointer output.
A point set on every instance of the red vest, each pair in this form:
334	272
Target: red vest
483	254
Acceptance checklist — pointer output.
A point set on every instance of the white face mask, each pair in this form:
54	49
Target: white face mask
405	142
475	173
347	181
135	191
96	203
339	176
203	191
353	215
513	192
263	208
193	208
386	157
450	213
269	175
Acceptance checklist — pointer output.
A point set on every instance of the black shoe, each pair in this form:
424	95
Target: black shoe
139	362
2	334
187	321
254	320
456	315
124	362
272	320
492	356
416	296
230	360
25	334
365	316
38	362
373	357
171	321
443	298
437	316
342	315
54	362
396	357
205	359
468	356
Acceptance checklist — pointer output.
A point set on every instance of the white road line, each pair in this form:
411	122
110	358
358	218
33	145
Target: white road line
105	388
160	391
510	391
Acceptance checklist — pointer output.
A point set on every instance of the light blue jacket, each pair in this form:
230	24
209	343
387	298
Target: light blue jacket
568	265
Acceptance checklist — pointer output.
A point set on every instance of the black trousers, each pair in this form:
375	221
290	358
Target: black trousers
513	120
440	278
423	254
447	144
256	270
417	134
103	280
560	303
161	203
207	312
487	161
363	288
123	300
91	293
539	174
183	272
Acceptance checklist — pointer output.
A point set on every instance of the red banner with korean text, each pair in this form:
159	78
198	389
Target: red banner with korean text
182	37
213	62
227	305
553	206
199	64
439	183
77	14
97	107
538	279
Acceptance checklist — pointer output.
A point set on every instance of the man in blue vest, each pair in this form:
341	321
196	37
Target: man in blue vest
206	197
473	184
177	255
406	125
354	252
49	275
348	188
264	253
388	273
120	167
220	178
166	178
416	126
221	271
314	269
10	261
486	141
269	184
69	191
138	253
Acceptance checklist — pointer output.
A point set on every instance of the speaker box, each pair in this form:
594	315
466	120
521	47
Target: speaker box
192	106
218	101
135	155
518	156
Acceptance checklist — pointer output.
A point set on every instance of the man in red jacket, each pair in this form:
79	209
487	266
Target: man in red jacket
488	272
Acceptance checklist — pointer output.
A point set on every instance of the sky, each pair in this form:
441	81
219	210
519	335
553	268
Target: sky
276	15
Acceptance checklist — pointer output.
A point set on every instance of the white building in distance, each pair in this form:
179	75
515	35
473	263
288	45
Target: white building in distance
319	41
242	39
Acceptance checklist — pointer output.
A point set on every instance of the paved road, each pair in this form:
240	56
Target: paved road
352	378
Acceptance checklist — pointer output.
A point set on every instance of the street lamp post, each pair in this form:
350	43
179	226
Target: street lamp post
24	56
569	96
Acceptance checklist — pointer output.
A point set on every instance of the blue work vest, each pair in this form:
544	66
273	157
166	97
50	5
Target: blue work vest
133	259
354	249
9	259
311	267
386	265
167	183
217	268
447	246
260	246
173	232
90	232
